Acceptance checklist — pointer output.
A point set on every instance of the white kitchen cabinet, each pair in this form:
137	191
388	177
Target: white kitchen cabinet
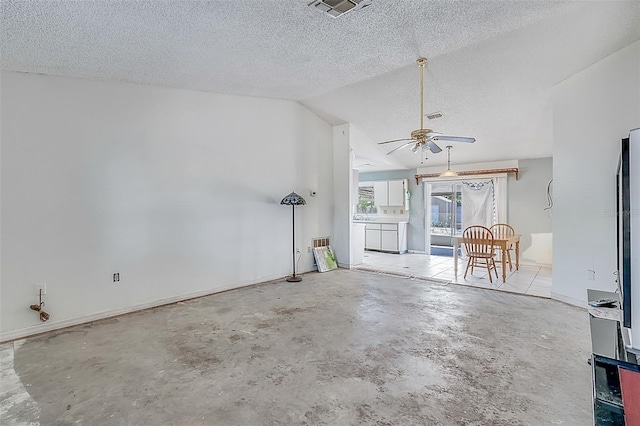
389	240
396	193
390	192
372	237
381	193
389	237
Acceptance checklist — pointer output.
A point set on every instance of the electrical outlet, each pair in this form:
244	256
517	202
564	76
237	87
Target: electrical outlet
591	274
116	277
41	286
309	249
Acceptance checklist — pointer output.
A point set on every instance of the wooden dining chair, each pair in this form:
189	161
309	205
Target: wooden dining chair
478	243
501	231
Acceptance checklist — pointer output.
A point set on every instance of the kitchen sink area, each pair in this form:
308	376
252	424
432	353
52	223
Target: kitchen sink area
381	217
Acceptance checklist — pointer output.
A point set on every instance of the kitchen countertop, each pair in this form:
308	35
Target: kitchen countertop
382	221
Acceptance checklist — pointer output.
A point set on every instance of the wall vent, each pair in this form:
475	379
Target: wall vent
320	242
434	115
337	8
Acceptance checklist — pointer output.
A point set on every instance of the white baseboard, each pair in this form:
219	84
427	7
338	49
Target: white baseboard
540	265
8	336
569	300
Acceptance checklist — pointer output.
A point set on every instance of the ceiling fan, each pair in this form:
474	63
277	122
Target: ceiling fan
424	139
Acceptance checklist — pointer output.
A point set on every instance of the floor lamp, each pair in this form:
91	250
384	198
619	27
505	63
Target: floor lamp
293	200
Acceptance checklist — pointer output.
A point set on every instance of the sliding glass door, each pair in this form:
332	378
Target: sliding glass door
445	204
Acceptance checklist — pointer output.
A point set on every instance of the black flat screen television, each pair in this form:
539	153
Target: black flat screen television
628	219
623	210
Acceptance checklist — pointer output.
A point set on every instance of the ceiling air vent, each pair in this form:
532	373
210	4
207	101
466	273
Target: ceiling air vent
434	115
337	8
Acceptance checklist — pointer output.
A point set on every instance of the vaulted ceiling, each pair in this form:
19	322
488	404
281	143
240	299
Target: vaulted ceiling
491	64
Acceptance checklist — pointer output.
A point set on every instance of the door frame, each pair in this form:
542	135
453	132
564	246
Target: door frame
426	183
500	186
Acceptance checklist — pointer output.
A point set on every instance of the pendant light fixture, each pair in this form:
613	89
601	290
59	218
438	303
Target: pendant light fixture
448	173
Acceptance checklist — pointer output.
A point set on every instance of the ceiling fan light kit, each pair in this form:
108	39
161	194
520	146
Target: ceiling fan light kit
424	139
448	173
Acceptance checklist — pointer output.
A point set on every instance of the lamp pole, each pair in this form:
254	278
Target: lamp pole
293	278
292	200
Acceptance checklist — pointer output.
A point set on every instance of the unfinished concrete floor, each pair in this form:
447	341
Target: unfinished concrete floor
339	348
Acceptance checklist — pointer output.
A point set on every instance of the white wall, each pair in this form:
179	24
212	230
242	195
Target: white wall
526	213
346	138
342	182
593	111
176	190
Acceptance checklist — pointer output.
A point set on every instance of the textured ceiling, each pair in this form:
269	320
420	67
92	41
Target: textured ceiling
491	63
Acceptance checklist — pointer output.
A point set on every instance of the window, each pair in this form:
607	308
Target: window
366	204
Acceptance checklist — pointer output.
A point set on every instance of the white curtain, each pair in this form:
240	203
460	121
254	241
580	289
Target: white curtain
478	203
500	188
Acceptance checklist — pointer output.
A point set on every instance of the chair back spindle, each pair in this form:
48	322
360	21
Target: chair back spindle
478	240
502	230
478	243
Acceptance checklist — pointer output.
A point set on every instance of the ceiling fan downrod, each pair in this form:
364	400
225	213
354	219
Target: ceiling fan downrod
424	138
421	64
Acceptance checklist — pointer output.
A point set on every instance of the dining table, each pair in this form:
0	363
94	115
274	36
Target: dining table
502	243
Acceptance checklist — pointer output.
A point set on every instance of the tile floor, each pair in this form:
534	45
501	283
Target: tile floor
531	280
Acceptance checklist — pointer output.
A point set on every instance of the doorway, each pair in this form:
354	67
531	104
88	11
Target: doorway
444	204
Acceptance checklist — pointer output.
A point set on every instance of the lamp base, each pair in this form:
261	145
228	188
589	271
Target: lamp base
294	278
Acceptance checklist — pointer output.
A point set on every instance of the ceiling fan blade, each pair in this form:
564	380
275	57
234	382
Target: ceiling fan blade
454	139
400	147
395	140
432	134
433	147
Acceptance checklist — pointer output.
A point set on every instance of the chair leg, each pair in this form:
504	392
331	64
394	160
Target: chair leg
488	263
469	263
509	259
495	269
